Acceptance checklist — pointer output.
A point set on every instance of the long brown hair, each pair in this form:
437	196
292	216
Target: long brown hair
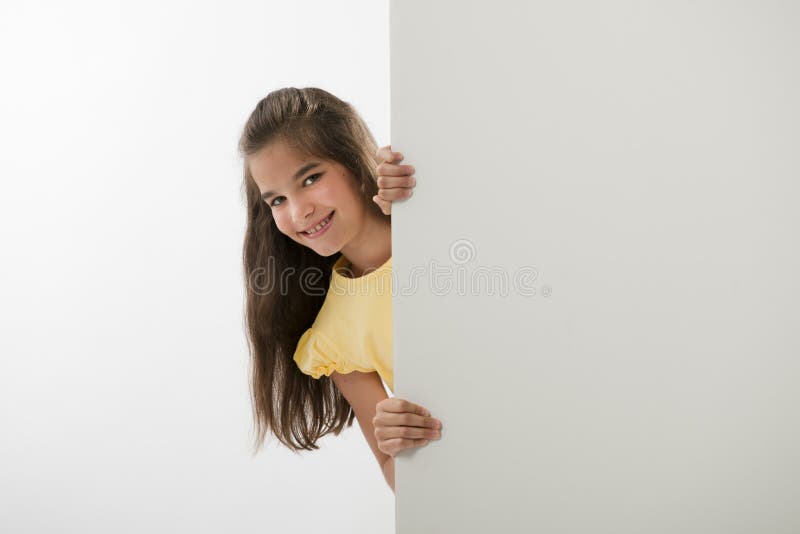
293	406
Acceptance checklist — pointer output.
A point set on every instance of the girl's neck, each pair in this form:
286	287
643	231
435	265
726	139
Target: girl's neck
371	248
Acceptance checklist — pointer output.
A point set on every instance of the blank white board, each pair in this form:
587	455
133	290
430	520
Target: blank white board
628	171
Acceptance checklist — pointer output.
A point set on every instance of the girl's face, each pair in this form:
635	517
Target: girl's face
302	193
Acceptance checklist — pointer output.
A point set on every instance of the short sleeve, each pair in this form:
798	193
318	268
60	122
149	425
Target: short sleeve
316	355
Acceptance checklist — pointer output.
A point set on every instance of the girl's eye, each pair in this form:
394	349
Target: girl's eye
314	176
272	204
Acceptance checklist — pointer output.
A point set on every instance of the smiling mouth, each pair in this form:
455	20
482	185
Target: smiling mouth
314	231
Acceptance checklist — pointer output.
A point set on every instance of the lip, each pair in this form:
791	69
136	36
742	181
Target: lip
325	229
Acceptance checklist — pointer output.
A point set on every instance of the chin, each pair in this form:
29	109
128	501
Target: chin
324	251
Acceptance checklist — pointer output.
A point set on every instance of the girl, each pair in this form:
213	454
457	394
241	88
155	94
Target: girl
319	194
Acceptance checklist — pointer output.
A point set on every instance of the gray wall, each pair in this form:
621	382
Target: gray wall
630	170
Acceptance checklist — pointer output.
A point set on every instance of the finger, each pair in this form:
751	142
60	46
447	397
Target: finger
406	419
407	432
383	151
388	182
391	169
397	444
396	405
385	205
385	154
384	433
397	193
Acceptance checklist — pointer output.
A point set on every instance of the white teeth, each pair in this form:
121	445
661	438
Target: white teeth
319	227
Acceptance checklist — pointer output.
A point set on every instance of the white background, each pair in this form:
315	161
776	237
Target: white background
642	157
124	403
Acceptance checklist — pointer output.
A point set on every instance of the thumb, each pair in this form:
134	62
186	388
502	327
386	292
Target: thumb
385	205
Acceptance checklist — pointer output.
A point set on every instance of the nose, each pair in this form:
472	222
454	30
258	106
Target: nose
301	213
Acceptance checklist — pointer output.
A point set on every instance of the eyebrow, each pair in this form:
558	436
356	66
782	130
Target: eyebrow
304	169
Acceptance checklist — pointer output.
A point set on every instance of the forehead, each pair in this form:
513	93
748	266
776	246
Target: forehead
276	163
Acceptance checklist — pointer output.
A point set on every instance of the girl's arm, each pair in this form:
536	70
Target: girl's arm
400	424
363	391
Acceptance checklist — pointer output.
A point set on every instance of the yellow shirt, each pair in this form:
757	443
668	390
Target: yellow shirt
353	329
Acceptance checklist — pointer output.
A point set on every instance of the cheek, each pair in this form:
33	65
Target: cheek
283	223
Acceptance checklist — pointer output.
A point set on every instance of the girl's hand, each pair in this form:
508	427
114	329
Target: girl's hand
395	181
400	424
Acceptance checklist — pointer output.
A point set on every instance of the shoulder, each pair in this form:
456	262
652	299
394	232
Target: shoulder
316	355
